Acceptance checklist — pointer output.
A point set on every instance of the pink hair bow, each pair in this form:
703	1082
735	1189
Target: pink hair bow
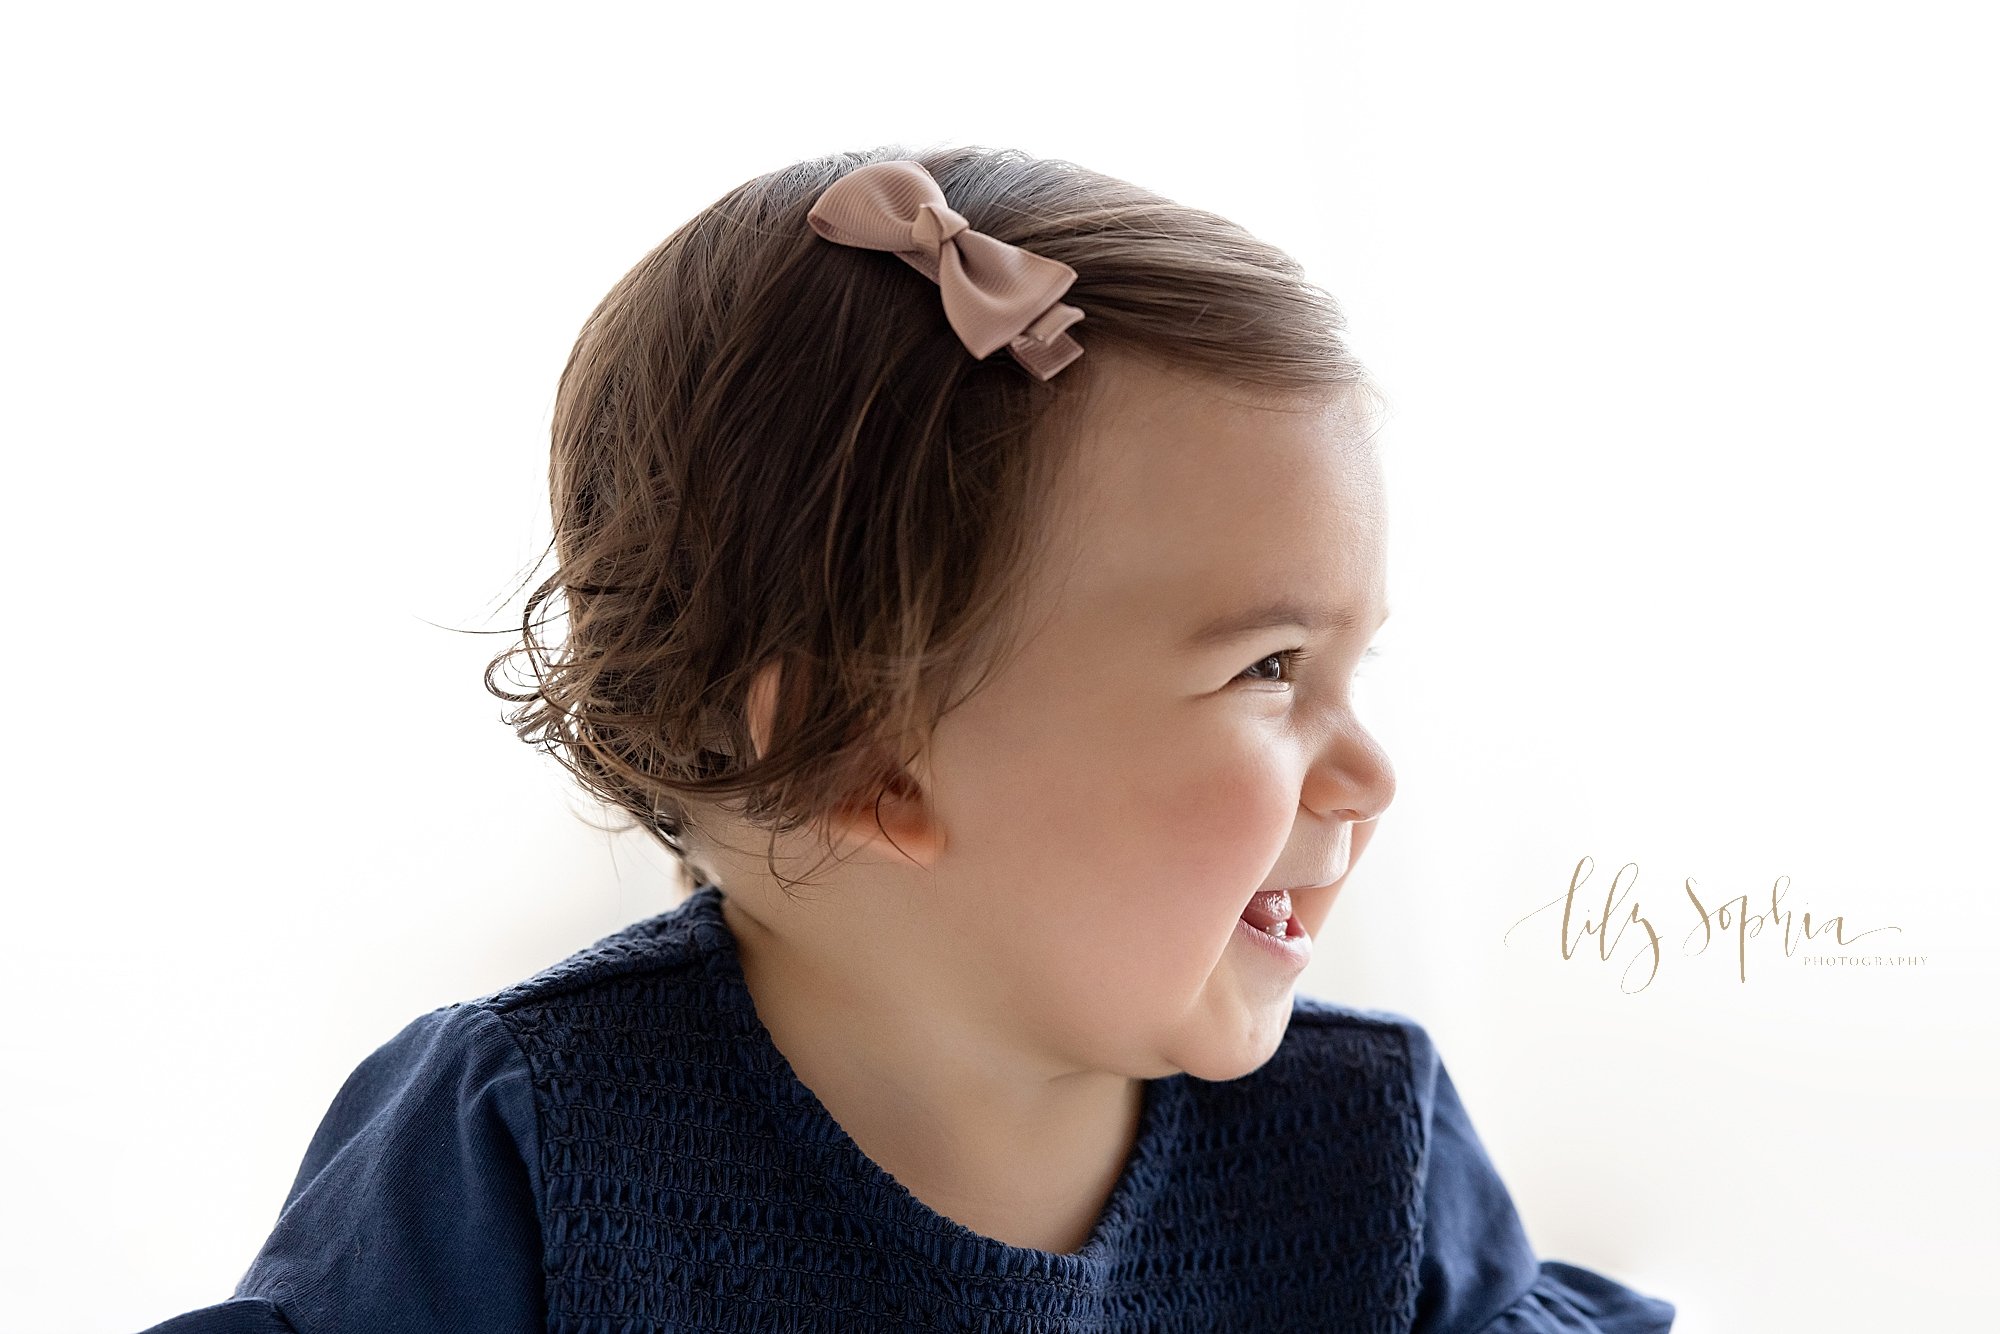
995	294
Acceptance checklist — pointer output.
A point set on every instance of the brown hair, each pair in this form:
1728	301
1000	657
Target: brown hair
768	447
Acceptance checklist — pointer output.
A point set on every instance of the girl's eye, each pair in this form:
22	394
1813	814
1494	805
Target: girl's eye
1289	659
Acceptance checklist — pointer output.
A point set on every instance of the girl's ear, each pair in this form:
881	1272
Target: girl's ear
898	827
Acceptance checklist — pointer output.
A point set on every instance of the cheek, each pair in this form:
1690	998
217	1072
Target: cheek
1145	801
1228	806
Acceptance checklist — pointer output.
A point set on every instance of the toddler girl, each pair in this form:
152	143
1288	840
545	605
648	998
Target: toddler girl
1003	538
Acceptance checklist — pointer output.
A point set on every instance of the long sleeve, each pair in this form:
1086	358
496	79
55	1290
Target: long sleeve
416	1208
1478	1273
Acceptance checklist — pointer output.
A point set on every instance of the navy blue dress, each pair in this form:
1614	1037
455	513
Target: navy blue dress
616	1145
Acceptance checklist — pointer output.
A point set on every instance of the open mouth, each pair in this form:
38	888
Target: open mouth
1270	911
1271	929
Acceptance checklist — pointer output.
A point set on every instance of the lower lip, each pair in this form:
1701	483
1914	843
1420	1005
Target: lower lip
1296	949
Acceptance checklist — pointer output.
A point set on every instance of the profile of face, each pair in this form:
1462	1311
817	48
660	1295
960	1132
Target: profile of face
1067	871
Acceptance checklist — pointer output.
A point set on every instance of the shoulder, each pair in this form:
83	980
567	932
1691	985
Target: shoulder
479	1056
1476	1270
426	1171
423	1175
453	1062
1394	1049
1351	1083
451	1079
1387	1043
680	941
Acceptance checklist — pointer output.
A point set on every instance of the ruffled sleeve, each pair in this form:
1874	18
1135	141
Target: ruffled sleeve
1478	1274
1568	1299
417	1206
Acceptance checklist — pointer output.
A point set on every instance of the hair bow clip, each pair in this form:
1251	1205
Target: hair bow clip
995	294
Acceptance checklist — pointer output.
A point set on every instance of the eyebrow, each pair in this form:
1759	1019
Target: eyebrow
1269	615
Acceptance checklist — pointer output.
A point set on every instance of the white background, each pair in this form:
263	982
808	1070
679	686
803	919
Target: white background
1687	314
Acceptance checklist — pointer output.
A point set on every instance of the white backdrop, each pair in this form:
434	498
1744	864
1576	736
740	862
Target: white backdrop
1687	317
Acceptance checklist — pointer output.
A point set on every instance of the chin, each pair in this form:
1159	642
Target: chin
1252	1048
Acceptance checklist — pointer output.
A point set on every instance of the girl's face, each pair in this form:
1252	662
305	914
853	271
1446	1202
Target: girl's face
1100	813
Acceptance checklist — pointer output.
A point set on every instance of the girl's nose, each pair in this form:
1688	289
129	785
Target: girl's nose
1352	773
